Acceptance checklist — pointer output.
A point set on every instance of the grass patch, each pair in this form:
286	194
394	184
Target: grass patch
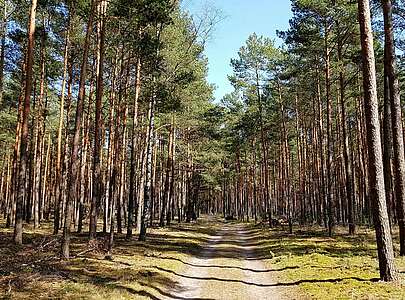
341	267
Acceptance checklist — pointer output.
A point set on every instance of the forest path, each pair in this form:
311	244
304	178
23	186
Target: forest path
229	267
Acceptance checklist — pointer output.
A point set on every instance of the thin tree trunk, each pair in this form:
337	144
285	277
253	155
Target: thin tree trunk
165	209
148	153
60	132
132	176
396	115
18	228
330	196
73	179
388	147
39	140
264	149
97	166
3	35
346	152
172	192
148	159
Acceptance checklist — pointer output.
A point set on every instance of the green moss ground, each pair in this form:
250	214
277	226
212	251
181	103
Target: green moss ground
308	262
341	267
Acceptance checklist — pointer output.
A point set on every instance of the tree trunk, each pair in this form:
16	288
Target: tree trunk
39	136
3	35
73	179
330	196
132	175
97	166
396	115
346	152
18	228
60	131
165	209
264	149
376	176
388	148
148	159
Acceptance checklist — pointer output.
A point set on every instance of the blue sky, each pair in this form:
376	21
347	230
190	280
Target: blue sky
242	17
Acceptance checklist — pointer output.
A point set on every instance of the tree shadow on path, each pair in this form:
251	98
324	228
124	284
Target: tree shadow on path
227	267
294	283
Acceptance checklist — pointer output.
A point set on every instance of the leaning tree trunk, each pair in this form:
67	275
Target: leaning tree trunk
376	176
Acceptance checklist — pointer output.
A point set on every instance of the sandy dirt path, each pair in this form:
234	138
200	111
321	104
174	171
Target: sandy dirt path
229	267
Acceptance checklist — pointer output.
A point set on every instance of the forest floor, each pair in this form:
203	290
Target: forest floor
208	260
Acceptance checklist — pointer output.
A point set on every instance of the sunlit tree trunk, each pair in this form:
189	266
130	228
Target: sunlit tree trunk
148	174
18	228
58	167
376	176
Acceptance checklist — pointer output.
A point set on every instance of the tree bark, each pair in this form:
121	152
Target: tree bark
165	209
148	159
97	166
18	228
58	169
388	148
396	115
132	175
376	177
3	35
346	151
330	196
73	179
